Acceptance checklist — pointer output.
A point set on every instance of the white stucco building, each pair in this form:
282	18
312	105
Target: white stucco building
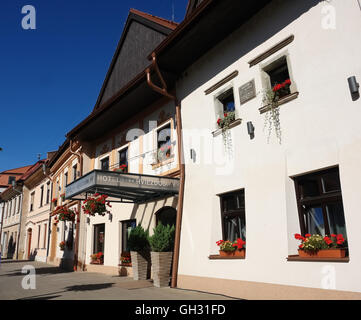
314	44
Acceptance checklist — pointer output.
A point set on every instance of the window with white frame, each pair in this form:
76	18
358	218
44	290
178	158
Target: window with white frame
225	110
277	76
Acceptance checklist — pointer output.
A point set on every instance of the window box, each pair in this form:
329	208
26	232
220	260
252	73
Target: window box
235	253
281	101
163	163
331	253
316	259
219	257
233	124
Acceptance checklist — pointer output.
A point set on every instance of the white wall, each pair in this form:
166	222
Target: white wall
320	128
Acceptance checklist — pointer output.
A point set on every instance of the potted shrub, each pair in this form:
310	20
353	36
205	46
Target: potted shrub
317	246
139	251
162	243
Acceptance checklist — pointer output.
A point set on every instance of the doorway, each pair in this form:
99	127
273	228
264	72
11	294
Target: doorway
30	232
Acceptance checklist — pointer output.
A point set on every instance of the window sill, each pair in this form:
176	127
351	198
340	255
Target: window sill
218	257
298	258
283	100
163	163
235	123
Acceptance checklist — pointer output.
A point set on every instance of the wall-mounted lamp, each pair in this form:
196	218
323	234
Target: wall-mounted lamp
250	129
193	155
110	217
354	88
88	220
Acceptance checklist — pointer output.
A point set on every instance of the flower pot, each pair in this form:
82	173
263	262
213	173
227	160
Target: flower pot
161	264
140	266
240	253
226	253
330	253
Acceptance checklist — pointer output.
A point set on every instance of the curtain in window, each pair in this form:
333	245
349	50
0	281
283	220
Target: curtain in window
336	218
314	221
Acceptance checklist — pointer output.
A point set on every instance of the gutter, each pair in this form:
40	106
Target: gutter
164	92
1	229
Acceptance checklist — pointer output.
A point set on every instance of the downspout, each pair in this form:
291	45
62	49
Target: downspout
164	92
49	223
77	231
21	215
1	229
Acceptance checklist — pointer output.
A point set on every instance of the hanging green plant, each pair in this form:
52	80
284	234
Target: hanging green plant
224	124
271	98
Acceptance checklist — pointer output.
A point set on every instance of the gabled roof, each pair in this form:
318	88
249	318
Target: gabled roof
166	23
17	172
162	26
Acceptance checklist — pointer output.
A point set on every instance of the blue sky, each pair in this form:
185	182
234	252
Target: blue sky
50	77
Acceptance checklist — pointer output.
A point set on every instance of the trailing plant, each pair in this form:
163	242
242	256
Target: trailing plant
138	239
271	98
224	124
65	214
226	245
62	245
122	168
316	242
162	239
96	204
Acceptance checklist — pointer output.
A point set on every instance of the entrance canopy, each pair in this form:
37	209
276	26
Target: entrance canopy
122	187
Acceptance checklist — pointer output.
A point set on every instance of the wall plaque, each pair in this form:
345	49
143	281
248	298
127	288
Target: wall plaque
247	92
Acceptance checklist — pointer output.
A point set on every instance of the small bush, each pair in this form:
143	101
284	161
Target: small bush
138	239
163	238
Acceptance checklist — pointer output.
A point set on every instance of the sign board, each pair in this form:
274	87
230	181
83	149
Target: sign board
247	92
122	182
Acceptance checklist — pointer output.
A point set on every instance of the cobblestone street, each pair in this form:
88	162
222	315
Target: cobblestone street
54	283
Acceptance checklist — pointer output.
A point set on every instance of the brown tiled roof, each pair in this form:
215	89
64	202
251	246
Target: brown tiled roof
164	22
17	173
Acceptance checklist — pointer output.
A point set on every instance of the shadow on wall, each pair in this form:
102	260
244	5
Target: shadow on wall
11	248
274	17
33	255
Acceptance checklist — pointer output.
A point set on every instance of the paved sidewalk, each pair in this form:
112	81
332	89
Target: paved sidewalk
55	283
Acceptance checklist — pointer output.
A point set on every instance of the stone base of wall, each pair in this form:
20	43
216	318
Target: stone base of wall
261	291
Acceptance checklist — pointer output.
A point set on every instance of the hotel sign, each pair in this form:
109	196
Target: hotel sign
116	182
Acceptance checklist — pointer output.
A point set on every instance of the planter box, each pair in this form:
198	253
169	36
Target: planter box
331	253
161	264
236	253
140	266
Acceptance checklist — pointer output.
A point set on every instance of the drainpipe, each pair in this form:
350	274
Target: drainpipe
77	231
1	229
19	231
164	92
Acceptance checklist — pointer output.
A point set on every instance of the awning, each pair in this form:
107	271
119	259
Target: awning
122	187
